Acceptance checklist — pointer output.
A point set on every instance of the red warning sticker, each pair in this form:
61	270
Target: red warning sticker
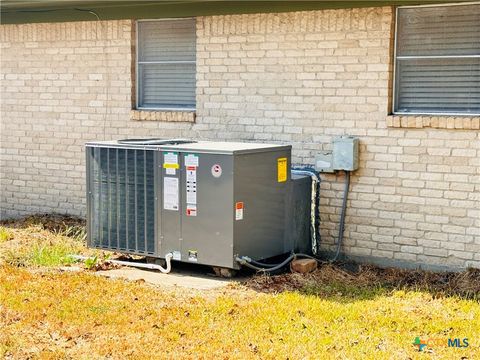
239	210
191	210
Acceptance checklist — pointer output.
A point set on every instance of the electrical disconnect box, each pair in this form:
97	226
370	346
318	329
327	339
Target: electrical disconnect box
345	153
323	162
203	202
344	156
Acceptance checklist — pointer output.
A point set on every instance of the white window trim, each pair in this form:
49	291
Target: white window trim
394	90
161	108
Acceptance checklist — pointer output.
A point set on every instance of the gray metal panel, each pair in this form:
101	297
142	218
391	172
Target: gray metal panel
298	212
261	233
345	153
88	163
323	162
210	233
158	203
226	147
170	231
210	147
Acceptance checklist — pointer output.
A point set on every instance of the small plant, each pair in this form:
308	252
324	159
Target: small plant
91	262
54	253
76	232
5	234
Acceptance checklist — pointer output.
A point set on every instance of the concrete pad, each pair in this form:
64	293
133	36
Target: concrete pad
182	277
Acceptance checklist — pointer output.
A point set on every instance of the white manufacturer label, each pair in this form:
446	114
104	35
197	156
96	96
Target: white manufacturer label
191	160
170	171
177	255
191	180
170	158
216	170
191	196
170	193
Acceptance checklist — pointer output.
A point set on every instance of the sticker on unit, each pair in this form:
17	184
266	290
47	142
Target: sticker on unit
170	162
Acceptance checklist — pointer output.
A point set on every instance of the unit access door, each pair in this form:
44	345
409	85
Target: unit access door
168	227
207	200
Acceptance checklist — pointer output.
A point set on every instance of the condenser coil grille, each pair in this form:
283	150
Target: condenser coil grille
122	199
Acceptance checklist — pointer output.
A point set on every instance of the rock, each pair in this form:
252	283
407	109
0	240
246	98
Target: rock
303	266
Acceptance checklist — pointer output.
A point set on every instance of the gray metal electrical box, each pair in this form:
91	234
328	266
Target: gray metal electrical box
345	153
324	162
204	202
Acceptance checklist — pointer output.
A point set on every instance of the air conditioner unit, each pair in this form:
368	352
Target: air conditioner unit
204	202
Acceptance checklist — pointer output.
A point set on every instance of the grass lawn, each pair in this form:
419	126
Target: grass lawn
331	314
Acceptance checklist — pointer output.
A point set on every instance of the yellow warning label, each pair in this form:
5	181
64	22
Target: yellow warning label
282	169
171	166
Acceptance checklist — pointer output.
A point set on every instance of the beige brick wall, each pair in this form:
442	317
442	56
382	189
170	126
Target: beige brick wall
62	85
298	78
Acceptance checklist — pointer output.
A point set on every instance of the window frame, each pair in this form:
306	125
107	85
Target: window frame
137	82
395	82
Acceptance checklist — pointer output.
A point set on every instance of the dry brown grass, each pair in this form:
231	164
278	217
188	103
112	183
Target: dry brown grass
42	240
55	223
369	279
332	313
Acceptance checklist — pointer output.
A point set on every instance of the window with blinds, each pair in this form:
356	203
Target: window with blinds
437	69
166	64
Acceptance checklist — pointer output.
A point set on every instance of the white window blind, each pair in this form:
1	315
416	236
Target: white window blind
166	64
437	69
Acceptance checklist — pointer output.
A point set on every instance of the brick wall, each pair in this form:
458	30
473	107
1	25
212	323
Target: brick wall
298	78
62	85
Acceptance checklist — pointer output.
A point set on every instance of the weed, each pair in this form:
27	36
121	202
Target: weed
76	232
34	246
5	234
51	254
91	262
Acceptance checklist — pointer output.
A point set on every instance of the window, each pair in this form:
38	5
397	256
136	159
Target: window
166	64
437	64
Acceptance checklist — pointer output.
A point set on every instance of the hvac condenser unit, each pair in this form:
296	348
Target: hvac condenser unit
203	202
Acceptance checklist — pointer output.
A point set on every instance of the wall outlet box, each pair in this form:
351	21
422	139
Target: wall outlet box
345	153
323	162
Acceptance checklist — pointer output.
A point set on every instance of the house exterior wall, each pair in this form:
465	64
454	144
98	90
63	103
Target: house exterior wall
297	78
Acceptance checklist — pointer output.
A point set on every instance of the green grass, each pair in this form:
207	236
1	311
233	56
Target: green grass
40	252
51	255
34	246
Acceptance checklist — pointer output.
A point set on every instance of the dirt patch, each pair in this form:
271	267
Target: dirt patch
50	222
368	277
